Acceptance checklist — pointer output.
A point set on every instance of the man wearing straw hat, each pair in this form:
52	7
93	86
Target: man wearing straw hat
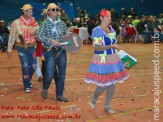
23	33
50	34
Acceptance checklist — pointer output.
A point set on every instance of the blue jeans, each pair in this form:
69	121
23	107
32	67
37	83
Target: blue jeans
4	40
147	36
50	64
161	37
28	63
38	70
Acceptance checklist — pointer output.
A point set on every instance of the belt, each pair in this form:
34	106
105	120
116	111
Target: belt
56	51
25	45
45	48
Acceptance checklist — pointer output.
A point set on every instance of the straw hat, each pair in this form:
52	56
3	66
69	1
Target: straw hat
44	11
26	7
52	5
2	21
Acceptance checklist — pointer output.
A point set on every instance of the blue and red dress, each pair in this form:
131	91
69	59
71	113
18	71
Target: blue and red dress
106	67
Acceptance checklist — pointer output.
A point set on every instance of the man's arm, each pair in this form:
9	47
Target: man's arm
12	37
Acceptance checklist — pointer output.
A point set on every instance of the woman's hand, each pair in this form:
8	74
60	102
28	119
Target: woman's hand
115	46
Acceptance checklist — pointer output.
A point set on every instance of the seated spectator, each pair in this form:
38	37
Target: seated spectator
146	19
96	20
81	13
136	21
68	23
114	15
4	33
157	22
83	23
133	13
121	22
123	17
129	19
123	12
88	20
74	22
78	23
87	13
151	24
151	28
63	16
124	33
141	26
91	25
161	19
115	27
130	31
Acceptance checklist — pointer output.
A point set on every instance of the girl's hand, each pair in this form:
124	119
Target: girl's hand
116	46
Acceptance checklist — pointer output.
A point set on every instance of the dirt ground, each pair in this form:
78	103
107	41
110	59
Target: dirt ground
134	101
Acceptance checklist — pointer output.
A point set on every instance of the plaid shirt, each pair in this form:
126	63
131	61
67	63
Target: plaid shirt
17	28
49	30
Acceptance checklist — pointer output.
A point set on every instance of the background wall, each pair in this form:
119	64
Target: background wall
146	7
9	9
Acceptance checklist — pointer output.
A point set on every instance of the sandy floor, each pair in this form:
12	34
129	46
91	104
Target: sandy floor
133	100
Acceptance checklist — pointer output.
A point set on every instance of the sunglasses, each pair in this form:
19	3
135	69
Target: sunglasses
54	9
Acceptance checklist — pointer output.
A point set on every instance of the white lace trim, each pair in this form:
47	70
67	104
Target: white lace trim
106	84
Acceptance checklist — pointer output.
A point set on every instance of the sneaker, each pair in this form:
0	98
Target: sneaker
40	79
44	94
61	98
27	90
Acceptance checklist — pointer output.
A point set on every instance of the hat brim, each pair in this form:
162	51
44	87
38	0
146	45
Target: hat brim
26	8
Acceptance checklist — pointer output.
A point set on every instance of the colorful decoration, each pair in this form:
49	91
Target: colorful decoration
117	51
103	57
112	36
103	13
97	40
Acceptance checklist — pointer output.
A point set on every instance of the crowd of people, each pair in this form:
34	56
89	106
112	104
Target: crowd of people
145	25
